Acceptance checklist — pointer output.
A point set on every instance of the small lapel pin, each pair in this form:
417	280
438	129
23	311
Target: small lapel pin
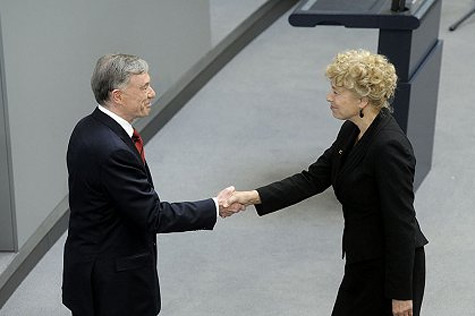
340	152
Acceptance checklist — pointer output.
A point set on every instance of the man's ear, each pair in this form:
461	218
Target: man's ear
116	96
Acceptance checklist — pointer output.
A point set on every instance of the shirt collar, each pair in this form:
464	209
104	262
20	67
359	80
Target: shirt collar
122	122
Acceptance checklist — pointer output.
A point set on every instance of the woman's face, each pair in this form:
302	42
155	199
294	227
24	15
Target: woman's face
344	104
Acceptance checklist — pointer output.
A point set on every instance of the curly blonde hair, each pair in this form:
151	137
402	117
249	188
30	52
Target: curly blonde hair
365	74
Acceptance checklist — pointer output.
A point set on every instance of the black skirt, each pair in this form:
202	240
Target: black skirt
362	289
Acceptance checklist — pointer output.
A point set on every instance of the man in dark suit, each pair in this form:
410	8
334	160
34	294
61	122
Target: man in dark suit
110	255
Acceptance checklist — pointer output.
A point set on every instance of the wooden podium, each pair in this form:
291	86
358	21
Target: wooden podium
409	39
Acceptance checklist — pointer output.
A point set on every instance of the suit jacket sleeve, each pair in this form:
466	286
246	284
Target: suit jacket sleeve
127	185
296	188
394	168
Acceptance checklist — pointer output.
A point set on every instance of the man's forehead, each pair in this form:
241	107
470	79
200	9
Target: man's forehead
140	79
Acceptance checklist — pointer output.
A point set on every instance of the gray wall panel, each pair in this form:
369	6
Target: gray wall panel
7	216
50	48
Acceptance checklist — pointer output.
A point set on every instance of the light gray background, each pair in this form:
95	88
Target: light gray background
263	117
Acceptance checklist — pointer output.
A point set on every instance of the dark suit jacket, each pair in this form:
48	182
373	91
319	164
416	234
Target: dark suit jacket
373	180
110	255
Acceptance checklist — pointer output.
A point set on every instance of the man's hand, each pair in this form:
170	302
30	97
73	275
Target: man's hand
225	208
402	308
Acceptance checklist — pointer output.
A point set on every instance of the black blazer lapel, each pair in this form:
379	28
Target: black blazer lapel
356	153
344	147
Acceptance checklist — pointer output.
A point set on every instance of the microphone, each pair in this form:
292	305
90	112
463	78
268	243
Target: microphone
398	5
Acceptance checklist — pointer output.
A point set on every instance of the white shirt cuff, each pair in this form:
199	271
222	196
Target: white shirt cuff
217	207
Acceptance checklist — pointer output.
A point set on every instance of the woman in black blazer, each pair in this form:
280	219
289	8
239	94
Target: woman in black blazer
371	167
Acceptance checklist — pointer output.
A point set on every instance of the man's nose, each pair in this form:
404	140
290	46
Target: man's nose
152	93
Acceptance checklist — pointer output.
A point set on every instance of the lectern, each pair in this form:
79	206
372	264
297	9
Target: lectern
409	38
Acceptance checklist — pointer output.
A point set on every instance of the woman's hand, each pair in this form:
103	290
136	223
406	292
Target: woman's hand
402	308
244	197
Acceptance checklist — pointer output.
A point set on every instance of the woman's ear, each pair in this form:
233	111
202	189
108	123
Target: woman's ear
364	101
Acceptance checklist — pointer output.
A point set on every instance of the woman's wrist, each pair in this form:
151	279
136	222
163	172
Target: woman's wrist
254	197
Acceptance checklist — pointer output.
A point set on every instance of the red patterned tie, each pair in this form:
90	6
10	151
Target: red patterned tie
138	141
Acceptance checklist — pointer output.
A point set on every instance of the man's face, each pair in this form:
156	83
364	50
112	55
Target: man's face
136	97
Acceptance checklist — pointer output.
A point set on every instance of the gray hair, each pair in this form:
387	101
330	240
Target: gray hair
113	71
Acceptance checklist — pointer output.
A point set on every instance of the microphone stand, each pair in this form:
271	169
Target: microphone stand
454	26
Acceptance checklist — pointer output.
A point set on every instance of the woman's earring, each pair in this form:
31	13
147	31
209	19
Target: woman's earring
361	113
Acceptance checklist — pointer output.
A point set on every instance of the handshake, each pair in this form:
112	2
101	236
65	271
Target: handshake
231	201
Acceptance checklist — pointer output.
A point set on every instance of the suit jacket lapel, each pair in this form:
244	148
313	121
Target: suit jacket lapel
149	174
356	154
117	129
344	148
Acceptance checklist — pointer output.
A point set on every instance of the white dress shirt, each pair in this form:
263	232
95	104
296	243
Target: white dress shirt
129	129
